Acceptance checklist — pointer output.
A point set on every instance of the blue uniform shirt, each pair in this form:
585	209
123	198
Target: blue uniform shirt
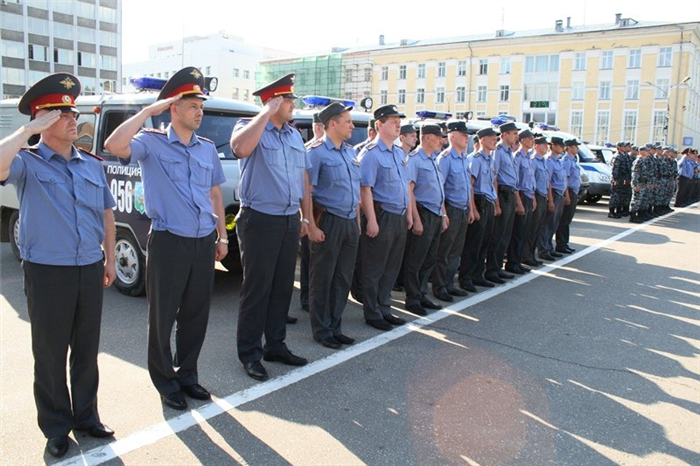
505	167
525	167
458	179
573	175
541	175
483	170
177	181
272	177
686	168
384	169
61	204
557	174
429	188
335	177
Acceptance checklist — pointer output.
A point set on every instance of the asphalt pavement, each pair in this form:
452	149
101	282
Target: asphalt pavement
591	360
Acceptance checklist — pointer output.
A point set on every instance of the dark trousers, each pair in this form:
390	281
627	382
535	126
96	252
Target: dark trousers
550	225
518	238
332	264
356	287
449	249
476	241
381	260
684	189
535	227
421	255
65	311
567	216
268	245
502	230
304	272
179	285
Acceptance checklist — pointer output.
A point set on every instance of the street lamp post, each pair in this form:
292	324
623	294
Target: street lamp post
668	103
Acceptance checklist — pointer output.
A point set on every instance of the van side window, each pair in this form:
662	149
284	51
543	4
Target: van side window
86	132
111	120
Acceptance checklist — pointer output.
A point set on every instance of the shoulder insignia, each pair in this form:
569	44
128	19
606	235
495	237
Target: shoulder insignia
316	144
32	150
413	153
83	151
370	146
205	139
155	131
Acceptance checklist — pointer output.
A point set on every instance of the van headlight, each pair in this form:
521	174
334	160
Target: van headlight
604	177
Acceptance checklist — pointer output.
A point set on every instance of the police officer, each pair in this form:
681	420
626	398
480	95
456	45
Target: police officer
459	206
64	188
686	169
483	172
541	199
525	168
573	184
621	189
642	173
182	175
426	188
272	189
386	217
408	137
371	136
335	177
558	197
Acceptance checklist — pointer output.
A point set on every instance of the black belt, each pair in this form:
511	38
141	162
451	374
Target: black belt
506	189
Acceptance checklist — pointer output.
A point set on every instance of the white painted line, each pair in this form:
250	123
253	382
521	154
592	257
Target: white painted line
156	432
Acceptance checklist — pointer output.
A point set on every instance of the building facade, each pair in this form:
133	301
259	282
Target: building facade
40	37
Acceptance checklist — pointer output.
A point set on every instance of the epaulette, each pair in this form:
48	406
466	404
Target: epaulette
154	130
349	145
90	153
316	144
205	139
370	146
31	150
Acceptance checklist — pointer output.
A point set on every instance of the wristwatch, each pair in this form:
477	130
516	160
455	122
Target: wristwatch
222	240
304	220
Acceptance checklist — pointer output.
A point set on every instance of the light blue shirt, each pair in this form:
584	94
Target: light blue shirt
335	177
458	179
385	170
525	167
557	174
272	177
505	167
573	174
686	167
428	189
483	170
61	204
177	181
541	175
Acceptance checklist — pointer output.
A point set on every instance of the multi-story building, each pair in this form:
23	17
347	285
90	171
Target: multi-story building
224	56
40	37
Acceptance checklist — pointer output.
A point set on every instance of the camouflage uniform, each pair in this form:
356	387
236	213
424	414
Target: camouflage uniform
642	181
620	189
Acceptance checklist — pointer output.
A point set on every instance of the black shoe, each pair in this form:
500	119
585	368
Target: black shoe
514	269
416	309
397	288
344	339
457	292
523	270
256	370
175	400
57	446
468	285
547	257
331	343
481	281
285	357
504	275
428	304
443	295
292	320
393	320
196	391
357	297
98	430
571	250
532	263
556	254
562	251
379	324
494	278
613	214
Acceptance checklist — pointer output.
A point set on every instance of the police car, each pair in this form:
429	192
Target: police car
302	119
99	117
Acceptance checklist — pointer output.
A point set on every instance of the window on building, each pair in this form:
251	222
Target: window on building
635	59
108	38
632	91
604	90
505	66
368	74
383	97
246	94
504	94
108	62
12	76
483	66
246	74
236	72
385	73
402	71
63	7
602	127
462	68
63	30
665	56
421	71
63	56
606	60
658	125
440	95
10	48
576	125
629	128
86	35
234	93
108	15
441	69
420	96
461	94
662	86
89	85
36	76
43	4
348	96
37	26
580	61
11	22
577	90
167	74
481	93
207	71
348	75
87	60
86	10
402	96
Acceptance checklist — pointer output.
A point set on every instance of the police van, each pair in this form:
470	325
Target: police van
302	119
99	117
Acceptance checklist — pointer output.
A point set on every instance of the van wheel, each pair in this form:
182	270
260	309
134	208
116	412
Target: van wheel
130	264
594	198
13	233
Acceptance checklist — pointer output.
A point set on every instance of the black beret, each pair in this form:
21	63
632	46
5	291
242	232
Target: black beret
407	129
457	125
510	126
431	128
556	140
331	110
572	142
525	133
484	132
387	111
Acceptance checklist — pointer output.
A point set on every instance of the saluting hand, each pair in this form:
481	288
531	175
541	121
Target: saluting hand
272	105
159	106
44	122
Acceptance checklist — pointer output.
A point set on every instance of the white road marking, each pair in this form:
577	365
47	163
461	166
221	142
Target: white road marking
156	432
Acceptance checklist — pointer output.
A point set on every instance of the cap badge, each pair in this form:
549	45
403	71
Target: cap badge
196	88
196	74
67	83
66	99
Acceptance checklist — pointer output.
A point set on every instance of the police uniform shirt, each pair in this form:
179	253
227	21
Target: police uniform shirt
272	177
335	177
541	174
455	170
483	170
384	169
177	181
68	197
557	174
573	175
429	188
525	167
505	168
686	167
